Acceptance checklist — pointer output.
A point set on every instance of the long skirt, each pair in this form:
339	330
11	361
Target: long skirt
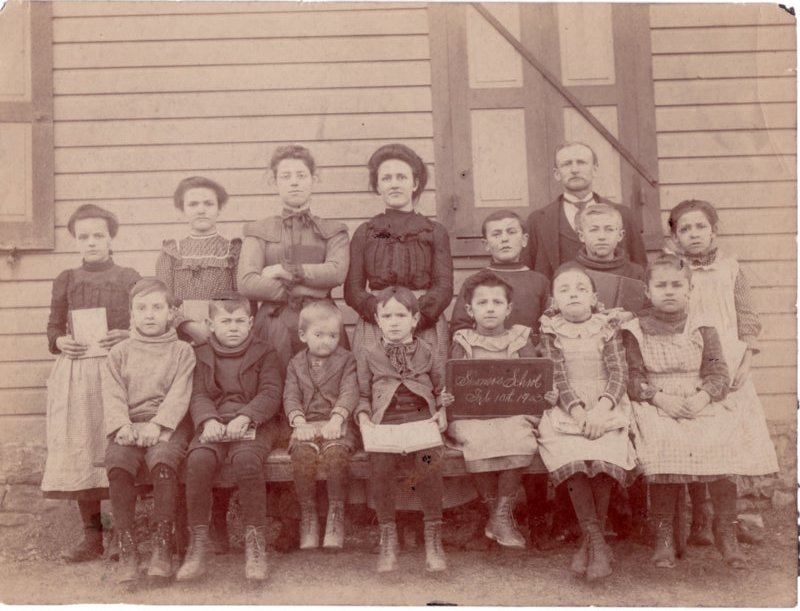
75	433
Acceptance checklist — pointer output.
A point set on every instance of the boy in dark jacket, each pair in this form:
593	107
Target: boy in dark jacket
236	394
320	394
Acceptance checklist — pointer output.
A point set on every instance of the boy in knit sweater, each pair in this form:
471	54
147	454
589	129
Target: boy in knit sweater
146	385
504	238
237	392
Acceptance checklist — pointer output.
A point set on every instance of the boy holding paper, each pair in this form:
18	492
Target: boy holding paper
237	387
401	380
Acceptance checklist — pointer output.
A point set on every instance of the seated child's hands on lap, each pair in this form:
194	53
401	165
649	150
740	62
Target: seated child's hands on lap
673	406
332	429
440	417
697	402
126	436
595	424
303	431
237	427
213	430
363	420
551	396
148	434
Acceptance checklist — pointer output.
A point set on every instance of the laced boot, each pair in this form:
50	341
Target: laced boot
128	568
334	526
434	551
598	564
196	561
88	548
309	525
664	553
501	526
387	558
161	560
700	532
539	533
581	558
255	552
724	528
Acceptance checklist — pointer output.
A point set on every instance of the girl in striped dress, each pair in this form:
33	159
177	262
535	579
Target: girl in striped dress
204	262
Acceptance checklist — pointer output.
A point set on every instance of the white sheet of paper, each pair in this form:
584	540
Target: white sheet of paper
401	438
89	326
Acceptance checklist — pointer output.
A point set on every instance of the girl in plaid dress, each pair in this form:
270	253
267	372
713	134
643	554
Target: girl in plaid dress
584	440
686	426
720	296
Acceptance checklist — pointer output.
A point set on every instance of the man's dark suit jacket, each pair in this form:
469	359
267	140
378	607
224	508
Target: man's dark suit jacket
549	233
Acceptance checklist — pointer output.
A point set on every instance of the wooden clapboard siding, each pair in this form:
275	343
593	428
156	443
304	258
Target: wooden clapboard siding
149	93
724	81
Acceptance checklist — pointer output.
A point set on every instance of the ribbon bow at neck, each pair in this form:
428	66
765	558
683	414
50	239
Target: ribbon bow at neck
303	215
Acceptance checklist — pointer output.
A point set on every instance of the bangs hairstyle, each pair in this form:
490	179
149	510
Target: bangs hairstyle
401	152
228	302
571	266
199	182
485	278
691	205
317	311
668	261
403	296
597	210
292	151
91	211
146	286
500	215
566	145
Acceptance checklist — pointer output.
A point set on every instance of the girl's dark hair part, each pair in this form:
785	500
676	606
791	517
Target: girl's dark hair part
292	151
91	211
402	153
691	205
199	182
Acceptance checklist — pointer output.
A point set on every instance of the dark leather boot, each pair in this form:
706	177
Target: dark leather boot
434	550
197	555
700	532
598	565
334	526
88	548
255	552
387	554
128	568
664	553
161	560
309	525
724	528
539	533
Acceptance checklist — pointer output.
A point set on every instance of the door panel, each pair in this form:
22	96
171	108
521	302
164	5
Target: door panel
503	120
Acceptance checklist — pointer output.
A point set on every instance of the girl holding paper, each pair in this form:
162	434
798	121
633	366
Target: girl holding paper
75	437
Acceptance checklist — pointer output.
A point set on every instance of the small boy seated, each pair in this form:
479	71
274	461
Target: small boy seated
237	393
320	394
146	385
599	228
504	239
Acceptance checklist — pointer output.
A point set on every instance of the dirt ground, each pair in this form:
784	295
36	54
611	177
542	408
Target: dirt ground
30	572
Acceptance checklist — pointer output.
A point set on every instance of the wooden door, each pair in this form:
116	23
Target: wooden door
497	120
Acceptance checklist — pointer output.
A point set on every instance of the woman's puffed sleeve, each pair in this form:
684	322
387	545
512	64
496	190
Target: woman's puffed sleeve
59	307
249	280
333	271
435	301
355	291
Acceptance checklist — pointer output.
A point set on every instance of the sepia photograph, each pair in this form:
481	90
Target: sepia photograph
398	303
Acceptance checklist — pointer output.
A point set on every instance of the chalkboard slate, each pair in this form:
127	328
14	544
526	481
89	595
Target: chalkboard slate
495	388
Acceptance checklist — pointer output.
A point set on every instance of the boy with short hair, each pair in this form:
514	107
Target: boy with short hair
146	386
237	388
504	238
599	228
320	394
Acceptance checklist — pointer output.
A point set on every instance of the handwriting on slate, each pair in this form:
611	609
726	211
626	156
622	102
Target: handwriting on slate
517	386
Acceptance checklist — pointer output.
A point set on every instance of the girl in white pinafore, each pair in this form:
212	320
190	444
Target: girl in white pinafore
720	296
687	429
585	440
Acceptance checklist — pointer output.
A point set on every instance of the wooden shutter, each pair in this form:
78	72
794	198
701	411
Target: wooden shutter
26	126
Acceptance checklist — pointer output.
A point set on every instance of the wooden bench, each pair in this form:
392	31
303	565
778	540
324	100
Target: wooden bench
279	467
